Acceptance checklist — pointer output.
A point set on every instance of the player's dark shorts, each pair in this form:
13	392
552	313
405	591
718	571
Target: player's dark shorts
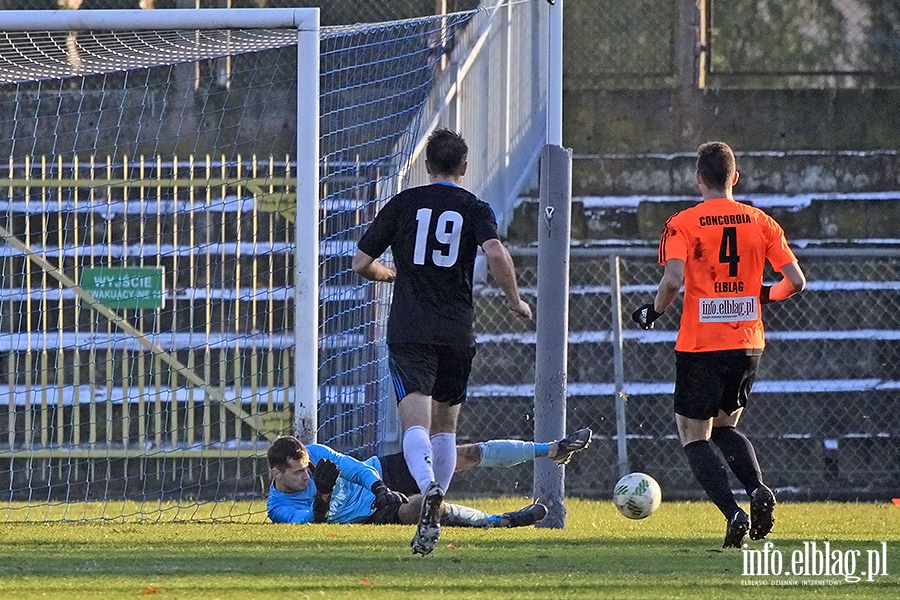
396	476
389	515
706	382
441	372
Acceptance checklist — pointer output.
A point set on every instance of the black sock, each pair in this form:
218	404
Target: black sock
710	471
740	456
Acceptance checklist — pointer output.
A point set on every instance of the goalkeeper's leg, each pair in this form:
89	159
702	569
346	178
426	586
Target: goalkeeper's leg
508	453
457	515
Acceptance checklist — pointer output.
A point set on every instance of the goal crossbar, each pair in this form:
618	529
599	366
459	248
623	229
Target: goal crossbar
303	19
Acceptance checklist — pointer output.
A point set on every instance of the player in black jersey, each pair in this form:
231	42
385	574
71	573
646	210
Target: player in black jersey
434	233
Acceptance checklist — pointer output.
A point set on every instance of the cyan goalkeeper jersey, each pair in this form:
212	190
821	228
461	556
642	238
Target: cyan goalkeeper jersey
351	501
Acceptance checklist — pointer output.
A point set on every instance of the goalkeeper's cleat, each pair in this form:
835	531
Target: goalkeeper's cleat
569	445
429	528
524	517
738	525
762	508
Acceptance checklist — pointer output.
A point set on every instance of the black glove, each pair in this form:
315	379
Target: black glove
645	315
325	476
764	294
320	507
385	497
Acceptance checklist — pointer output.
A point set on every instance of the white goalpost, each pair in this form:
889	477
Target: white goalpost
181	193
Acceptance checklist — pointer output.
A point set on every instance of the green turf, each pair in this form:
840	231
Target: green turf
673	554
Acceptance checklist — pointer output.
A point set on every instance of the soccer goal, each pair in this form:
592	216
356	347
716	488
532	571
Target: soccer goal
182	191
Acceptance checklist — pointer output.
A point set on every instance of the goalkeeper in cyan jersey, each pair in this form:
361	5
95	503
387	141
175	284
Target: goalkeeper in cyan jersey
315	484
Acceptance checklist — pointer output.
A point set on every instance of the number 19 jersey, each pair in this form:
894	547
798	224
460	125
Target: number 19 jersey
724	245
434	233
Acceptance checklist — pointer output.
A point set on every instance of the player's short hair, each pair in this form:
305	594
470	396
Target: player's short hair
446	152
716	164
283	449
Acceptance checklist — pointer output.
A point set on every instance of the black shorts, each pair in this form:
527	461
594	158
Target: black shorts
396	476
706	382
389	515
441	372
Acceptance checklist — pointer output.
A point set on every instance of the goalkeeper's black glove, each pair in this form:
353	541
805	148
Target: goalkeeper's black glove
645	316
325	476
321	505
385	497
764	294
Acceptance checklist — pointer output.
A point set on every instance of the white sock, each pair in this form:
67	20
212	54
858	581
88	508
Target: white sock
418	454
444	447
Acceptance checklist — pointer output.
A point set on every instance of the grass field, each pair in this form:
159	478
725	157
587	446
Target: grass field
673	554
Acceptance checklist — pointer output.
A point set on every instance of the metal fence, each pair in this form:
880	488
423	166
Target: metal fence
80	380
624	44
825	410
825	414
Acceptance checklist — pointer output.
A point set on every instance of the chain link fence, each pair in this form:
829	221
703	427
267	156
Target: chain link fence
825	410
628	44
632	44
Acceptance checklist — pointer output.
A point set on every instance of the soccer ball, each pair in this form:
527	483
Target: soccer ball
637	495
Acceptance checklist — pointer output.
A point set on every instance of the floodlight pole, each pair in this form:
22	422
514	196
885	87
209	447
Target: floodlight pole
554	236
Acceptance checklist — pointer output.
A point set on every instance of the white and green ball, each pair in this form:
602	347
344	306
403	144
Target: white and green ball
637	495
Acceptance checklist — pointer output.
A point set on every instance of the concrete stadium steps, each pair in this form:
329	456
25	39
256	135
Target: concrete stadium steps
860	459
824	261
838	305
800	409
761	172
823	215
797	468
830	359
823	412
808	355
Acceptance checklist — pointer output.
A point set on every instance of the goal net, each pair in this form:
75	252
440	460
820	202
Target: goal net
160	196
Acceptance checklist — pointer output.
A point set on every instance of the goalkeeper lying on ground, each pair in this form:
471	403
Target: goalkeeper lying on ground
315	484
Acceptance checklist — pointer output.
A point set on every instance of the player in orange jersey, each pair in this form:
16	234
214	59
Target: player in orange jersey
717	250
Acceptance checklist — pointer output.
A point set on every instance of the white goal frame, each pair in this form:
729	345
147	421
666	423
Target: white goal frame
306	22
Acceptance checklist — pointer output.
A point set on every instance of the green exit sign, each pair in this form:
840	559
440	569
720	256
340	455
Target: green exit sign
125	287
